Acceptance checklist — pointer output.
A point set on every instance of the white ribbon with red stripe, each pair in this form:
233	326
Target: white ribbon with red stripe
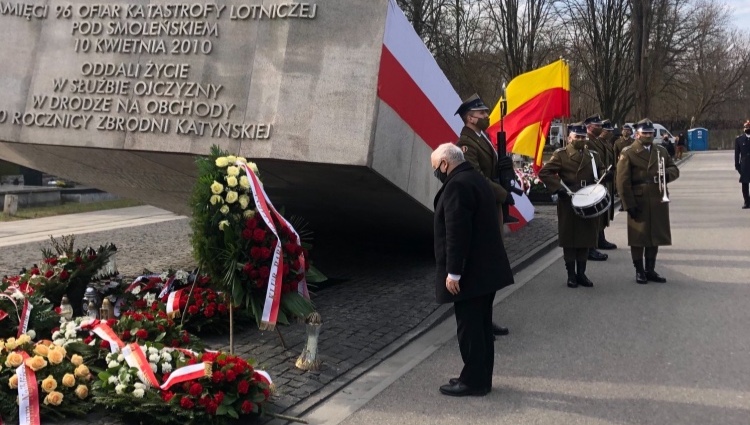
23	325
135	357
187	373
173	303
103	331
28	395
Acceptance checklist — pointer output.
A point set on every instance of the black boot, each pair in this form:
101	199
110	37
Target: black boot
640	274
570	266
581	275
604	244
595	255
651	274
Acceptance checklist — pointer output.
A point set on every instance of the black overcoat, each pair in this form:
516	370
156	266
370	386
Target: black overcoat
467	237
742	157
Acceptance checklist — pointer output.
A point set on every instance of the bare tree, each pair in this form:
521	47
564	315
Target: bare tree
601	48
427	17
523	33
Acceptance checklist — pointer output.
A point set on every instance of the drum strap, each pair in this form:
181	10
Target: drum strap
593	167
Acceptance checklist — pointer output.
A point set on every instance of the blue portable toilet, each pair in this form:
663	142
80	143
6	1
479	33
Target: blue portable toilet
698	139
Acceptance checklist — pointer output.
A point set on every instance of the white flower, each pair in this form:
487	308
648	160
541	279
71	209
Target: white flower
154	358
181	275
46	301
166	367
154	367
31	333
112	365
153	350
136	290
112	380
120	388
140	385
56	335
18	295
150	298
70	334
164	276
138	393
166	356
124	376
120	358
70	326
59	341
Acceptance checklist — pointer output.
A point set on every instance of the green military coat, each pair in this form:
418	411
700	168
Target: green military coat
572	167
609	159
636	171
480	154
621	144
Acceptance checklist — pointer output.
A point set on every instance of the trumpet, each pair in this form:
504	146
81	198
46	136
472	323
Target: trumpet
662	175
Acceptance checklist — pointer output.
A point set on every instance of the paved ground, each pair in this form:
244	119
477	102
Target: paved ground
383	294
619	353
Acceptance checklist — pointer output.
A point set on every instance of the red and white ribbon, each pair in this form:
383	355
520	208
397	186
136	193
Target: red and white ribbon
28	395
135	357
149	279
187	373
103	331
23	325
173	302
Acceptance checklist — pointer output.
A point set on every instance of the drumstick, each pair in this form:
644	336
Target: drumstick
570	192
604	175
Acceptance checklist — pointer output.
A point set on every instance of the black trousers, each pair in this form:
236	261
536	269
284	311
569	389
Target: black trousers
746	193
475	340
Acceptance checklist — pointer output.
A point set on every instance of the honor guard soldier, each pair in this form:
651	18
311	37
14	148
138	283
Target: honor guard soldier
573	165
742	162
593	130
643	172
481	154
625	140
609	160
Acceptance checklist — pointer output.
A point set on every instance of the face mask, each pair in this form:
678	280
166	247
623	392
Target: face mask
646	140
747	131
440	175
578	144
596	131
483	123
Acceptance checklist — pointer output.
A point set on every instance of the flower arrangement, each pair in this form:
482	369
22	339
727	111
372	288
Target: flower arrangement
17	299
60	380
217	388
530	182
251	249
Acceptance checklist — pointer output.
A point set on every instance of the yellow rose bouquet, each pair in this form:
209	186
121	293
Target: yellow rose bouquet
58	381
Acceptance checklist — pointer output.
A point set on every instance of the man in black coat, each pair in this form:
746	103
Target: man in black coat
742	162
471	264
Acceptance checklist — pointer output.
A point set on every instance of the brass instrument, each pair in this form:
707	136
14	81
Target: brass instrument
662	175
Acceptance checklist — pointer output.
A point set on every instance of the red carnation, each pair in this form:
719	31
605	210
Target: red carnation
111	322
222	308
161	328
211	296
231	376
266	393
247	234
211	408
193	310
217	376
167	395
264	272
64	275
57	310
51	261
149	317
290	247
155	306
175	343
254	274
209	312
78	260
126	334
34	270
104	345
49	273
209	357
255	253
246	407
247	268
185	337
251	223
141	333
219	397
265	253
296	265
259	235
140	303
186	403
196	389
243	387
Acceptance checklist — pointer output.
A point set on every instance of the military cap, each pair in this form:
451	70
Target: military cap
607	125
747	124
577	128
594	119
473	103
628	126
645	125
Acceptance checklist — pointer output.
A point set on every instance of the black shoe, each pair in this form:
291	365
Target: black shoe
651	275
454	381
570	266
605	244
581	275
499	330
640	274
459	389
595	255
746	206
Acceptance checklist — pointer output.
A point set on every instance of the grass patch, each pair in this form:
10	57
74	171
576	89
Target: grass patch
69	208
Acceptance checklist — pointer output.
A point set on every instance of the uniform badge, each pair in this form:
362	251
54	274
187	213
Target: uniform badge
464	148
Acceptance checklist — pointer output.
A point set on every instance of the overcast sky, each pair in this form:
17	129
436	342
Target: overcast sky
741	13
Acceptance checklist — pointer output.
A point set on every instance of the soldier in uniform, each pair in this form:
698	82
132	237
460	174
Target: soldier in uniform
481	154
609	160
593	143
638	185
742	162
573	166
624	140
